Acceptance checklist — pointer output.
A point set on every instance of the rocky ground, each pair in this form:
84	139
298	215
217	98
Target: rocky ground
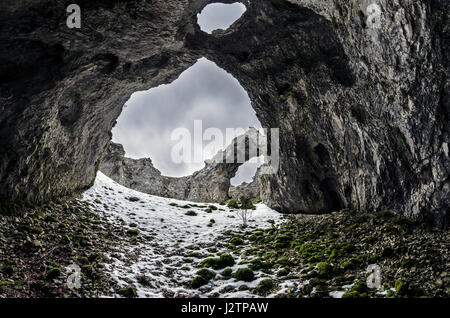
131	244
38	243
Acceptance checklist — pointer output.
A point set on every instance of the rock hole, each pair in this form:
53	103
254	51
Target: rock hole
247	172
203	93
219	16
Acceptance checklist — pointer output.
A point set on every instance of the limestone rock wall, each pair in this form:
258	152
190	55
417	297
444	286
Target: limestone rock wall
363	113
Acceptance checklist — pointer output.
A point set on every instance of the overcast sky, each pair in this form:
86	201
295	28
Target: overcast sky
219	16
203	92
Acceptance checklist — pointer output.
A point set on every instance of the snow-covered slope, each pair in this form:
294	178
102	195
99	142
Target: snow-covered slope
171	244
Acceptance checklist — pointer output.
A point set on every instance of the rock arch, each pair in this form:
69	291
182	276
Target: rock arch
375	100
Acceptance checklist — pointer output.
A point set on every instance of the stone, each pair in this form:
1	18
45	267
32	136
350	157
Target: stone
363	112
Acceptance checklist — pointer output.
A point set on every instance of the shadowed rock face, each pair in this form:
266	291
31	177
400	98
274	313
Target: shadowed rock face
363	113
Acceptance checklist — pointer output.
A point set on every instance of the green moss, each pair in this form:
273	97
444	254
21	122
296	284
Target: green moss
243	287
173	204
258	263
399	287
359	290
265	286
83	260
212	208
360	287
88	269
324	270
191	213
348	248
143	280
285	261
198	281
127	292
227	273
206	274
283	241
406	263
312	252
256	236
133	232
4	284
334	254
38	214
31	229
53	273
256	200
283	272
244	274
223	261
133	199
353	263
351	294
236	240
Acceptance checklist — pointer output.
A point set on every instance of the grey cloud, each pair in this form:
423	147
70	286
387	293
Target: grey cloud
203	92
219	16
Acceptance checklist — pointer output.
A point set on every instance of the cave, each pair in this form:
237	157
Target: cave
350	197
203	99
306	69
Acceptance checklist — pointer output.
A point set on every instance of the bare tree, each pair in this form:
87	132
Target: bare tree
245	210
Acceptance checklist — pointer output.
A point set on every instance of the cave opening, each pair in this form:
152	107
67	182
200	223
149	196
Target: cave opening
203	93
247	172
220	16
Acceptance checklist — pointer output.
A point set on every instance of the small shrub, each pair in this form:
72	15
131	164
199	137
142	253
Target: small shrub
133	199
191	213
